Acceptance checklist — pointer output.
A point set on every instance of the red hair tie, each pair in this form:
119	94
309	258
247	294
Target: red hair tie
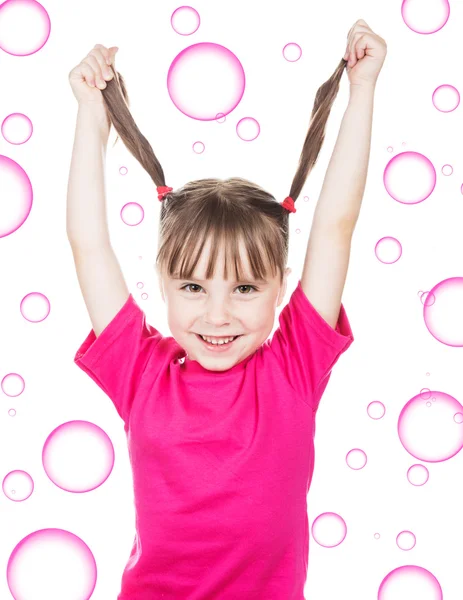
162	191
288	203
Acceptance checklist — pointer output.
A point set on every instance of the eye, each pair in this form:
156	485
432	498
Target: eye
240	286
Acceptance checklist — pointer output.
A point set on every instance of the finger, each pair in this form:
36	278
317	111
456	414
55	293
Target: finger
106	54
88	74
105	71
97	74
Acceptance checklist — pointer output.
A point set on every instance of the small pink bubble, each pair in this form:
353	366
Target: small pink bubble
406	540
123	170
17	485
356	459
185	20
329	530
292	52
132	214
417	475
140	284
144	296
446	98
388	250
17	128
248	129
12	385
376	410
198	147
447	170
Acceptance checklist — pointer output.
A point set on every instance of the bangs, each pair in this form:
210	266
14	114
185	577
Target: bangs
260	246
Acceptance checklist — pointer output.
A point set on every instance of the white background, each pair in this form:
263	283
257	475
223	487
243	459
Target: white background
392	351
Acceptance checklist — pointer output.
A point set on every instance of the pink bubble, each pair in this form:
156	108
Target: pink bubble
53	564
17	128
140	284
443	316
16	193
388	250
220	118
377	536
132	214
409	177
356	459
123	170
429	433
390	149
446	98
292	52
425	16
12	412
198	147
248	129
12	385
204	80
35	307
447	170
417	475
185	20
427	298
329	530
376	409
410	582
18	485
298	230
24	27
406	540
78	456
144	296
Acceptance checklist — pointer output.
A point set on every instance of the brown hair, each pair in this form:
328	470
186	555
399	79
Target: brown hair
228	211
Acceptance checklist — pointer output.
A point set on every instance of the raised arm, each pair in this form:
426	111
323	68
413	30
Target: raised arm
100	277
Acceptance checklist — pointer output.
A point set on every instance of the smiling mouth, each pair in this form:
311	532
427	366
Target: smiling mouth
218	344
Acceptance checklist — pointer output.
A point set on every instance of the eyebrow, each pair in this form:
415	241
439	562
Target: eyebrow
257	280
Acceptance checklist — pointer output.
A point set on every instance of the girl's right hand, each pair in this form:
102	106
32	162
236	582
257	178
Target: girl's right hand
89	76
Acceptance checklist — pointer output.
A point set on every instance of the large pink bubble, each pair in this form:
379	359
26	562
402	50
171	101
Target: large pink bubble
16	195
51	563
425	16
410	582
428	430
442	311
409	177
78	456
24	27
204	80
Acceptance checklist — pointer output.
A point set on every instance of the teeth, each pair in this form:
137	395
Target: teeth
218	342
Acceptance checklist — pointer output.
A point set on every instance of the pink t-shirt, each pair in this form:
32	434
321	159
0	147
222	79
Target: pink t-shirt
222	461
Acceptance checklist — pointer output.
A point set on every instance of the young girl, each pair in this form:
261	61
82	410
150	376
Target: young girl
220	432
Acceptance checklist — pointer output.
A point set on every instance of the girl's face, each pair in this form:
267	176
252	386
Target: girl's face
221	308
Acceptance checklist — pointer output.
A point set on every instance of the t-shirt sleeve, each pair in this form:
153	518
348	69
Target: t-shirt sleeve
307	347
117	358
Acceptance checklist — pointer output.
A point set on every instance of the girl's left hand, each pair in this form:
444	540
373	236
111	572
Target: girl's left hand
366	52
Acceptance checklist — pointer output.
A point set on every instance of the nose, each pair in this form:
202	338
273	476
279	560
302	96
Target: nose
217	312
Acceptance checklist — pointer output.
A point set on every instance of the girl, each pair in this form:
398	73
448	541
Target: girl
219	420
